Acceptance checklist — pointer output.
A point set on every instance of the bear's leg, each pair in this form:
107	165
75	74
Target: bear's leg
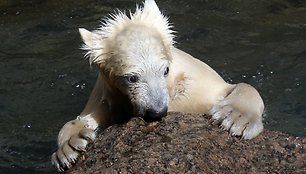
240	112
76	134
73	139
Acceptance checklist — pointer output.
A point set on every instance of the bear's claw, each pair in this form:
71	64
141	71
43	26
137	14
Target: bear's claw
240	112
68	153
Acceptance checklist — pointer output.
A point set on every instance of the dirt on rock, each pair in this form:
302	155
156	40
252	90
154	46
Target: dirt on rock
189	143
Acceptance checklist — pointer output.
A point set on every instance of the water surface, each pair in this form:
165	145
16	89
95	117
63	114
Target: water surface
45	81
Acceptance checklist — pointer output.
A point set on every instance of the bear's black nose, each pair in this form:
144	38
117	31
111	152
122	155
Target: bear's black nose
154	113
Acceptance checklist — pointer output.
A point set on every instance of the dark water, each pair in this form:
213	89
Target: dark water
45	81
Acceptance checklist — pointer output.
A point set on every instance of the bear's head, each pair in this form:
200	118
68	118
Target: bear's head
133	52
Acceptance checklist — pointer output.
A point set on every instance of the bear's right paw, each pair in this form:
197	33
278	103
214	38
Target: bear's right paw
238	124
68	153
240	112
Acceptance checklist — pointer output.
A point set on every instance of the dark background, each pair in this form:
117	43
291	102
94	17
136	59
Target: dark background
45	81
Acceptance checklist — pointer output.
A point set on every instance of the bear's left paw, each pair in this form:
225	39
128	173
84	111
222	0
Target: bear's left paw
70	150
236	122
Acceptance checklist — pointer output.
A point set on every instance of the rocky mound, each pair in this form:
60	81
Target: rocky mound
189	143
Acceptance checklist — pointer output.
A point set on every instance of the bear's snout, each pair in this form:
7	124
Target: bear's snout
156	113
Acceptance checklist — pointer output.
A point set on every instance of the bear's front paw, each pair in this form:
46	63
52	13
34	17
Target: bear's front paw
69	151
240	112
238	124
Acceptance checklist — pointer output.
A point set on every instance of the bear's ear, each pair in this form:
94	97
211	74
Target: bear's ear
153	17
86	36
93	46
150	5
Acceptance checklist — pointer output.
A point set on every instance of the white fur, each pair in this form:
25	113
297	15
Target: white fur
142	45
98	49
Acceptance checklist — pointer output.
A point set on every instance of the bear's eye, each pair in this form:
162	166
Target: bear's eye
166	72
132	78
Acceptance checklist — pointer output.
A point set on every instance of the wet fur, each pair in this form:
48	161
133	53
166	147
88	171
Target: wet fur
142	45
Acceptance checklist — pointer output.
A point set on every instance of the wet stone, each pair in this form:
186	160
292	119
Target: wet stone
177	144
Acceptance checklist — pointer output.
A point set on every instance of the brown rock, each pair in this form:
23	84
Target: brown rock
185	143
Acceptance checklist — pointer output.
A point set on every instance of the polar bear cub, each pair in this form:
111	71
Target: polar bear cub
142	74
